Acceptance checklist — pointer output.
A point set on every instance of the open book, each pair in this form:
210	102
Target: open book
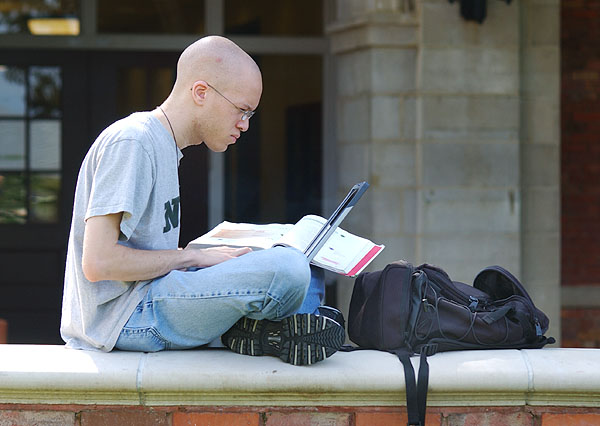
343	253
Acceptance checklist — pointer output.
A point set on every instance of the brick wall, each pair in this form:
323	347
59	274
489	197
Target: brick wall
581	327
580	148
30	415
580	164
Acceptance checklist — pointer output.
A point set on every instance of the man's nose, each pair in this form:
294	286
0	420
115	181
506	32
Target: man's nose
243	125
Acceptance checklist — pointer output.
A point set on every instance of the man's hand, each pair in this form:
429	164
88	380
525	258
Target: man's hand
213	255
105	259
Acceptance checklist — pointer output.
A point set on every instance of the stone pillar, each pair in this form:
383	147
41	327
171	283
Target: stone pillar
540	155
455	125
374	47
469	200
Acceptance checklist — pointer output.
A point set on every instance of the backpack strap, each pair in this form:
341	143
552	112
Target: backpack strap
493	316
422	386
416	391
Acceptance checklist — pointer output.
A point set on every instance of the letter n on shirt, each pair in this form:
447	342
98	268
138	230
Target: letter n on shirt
171	214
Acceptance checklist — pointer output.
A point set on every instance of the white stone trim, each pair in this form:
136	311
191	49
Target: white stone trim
56	375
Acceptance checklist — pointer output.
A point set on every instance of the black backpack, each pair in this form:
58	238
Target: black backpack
406	310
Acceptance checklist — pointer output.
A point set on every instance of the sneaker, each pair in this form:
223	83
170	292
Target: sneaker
332	313
300	339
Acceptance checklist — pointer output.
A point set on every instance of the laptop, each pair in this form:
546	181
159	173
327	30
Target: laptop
335	219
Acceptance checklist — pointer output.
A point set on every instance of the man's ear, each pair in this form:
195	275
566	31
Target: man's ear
199	89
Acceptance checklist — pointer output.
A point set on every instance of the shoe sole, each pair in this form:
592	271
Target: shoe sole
334	314
300	339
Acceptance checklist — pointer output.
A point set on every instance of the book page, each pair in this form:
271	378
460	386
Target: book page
303	232
344	253
342	250
243	235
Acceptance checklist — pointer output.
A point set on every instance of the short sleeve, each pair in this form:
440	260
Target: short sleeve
123	176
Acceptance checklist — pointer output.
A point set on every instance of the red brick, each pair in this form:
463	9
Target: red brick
580	158
215	419
570	419
124	417
3	331
581	327
490	418
381	419
307	419
35	418
387	419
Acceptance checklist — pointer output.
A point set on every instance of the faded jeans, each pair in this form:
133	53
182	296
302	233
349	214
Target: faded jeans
187	309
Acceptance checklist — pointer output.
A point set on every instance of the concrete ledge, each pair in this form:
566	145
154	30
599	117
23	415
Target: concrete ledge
55	375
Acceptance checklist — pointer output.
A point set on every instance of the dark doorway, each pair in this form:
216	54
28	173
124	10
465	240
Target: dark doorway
42	124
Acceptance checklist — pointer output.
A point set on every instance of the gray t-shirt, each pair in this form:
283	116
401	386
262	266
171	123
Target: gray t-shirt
132	167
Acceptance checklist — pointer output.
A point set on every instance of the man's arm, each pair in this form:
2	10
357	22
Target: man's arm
105	259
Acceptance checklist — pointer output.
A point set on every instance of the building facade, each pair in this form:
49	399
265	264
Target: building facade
456	123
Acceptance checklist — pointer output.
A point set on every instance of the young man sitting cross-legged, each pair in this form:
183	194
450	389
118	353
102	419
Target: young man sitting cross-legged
129	287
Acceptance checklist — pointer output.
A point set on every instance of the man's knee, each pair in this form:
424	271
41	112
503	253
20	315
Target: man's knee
291	278
292	267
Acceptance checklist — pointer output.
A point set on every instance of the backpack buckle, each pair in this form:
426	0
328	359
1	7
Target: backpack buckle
474	303
429	349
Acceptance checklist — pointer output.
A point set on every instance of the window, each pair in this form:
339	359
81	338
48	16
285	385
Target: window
40	17
30	144
150	17
273	174
274	18
141	88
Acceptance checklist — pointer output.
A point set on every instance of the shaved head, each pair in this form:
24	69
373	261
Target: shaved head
216	60
217	85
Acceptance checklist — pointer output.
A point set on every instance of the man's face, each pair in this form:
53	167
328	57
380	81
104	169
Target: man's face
230	111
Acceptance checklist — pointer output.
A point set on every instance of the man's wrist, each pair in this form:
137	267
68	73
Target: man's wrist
186	258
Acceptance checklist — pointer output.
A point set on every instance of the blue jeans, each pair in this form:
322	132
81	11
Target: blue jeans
186	309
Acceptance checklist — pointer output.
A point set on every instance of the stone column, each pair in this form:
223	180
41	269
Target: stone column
374	46
469	200
540	155
455	125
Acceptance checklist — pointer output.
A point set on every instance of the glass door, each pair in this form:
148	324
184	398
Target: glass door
41	125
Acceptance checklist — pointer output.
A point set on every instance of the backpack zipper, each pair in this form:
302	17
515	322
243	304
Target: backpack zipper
474	303
450	292
526	301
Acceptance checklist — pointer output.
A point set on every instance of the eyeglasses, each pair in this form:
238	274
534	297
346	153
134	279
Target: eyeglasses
246	113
